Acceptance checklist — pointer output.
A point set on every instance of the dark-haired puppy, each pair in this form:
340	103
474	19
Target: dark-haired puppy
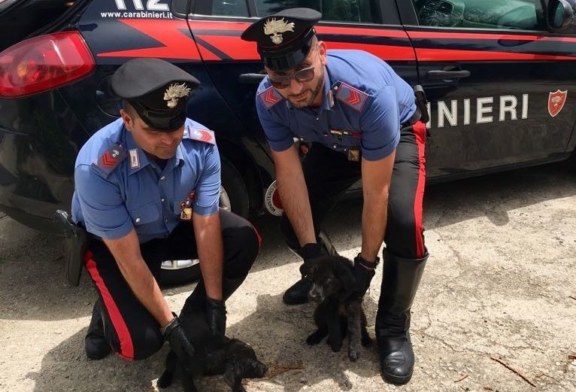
338	314
234	359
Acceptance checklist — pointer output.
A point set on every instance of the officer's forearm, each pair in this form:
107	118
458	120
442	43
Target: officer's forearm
207	230
294	194
374	215
126	252
376	178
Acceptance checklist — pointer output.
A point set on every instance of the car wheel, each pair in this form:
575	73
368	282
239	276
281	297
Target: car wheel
233	197
233	194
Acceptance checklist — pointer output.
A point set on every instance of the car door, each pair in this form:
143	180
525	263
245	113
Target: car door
502	87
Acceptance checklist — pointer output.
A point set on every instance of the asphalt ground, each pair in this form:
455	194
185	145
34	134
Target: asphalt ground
496	310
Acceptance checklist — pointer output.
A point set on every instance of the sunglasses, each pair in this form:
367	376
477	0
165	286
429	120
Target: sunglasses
301	76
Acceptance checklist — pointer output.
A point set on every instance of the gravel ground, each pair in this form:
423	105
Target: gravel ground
495	312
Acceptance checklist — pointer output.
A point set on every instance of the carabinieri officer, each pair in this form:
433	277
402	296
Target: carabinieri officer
363	124
147	190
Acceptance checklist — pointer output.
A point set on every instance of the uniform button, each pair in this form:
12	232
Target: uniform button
137	220
165	220
161	178
162	200
335	146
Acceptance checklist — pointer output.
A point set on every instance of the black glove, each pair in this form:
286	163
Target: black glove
312	251
363	273
216	316
179	343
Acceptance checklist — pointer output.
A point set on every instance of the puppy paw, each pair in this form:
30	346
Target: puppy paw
335	345
353	354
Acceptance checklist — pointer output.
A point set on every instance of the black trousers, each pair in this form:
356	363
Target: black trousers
130	329
329	173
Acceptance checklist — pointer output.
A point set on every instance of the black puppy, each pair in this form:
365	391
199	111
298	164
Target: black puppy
338	313
233	358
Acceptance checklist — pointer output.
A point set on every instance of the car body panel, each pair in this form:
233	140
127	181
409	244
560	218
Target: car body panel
501	104
504	108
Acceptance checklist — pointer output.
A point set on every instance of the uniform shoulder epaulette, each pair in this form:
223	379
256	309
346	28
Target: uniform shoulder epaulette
269	97
201	135
350	95
111	158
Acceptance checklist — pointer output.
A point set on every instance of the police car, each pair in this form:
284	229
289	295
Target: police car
498	74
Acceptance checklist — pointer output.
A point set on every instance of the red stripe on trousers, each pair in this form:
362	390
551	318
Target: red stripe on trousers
420	132
118	323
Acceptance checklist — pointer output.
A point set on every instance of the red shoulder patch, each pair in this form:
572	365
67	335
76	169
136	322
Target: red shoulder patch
202	135
270	97
351	96
111	158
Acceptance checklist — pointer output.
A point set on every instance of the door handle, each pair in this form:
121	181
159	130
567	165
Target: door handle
448	74
251	78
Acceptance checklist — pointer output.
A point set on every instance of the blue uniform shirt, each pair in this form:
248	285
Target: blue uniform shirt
364	103
118	188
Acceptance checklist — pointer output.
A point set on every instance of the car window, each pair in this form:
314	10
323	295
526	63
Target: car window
484	14
360	11
230	8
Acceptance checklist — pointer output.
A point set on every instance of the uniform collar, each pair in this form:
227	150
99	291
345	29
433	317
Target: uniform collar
328	101
138	159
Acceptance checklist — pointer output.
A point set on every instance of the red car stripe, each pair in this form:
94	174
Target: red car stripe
203	26
433	55
234	47
486	36
173	36
218	40
118	323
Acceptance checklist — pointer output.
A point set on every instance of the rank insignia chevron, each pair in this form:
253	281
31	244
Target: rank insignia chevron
270	97
111	158
351	96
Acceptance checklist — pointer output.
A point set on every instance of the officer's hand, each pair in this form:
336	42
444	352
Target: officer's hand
216	316
179	343
363	273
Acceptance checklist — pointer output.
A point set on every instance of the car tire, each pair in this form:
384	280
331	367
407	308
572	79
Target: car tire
234	194
233	197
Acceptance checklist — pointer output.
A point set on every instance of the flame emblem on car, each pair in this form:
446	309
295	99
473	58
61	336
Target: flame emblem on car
556	101
275	27
174	92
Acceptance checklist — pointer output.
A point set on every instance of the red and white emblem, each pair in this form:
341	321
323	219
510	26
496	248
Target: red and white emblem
272	200
556	101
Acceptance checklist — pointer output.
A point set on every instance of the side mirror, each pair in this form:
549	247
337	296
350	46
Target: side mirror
560	14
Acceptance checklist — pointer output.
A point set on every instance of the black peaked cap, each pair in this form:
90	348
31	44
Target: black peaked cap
157	89
283	39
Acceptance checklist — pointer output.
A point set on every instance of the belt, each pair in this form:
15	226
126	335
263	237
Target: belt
413	120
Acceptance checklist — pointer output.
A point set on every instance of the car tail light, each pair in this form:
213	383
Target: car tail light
42	63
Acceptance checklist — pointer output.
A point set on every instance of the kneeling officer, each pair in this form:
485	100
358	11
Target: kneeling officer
147	190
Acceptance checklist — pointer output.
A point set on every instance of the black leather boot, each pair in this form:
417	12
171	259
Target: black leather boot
95	342
297	294
399	286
